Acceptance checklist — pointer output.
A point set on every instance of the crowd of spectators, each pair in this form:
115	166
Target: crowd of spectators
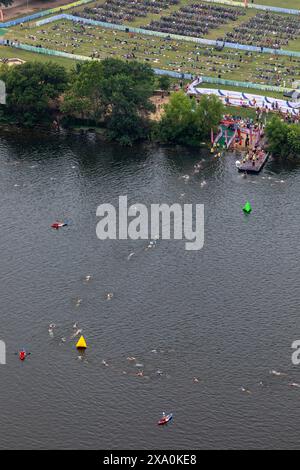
266	30
123	11
195	20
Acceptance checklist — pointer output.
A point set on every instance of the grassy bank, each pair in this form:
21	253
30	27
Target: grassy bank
179	56
279	3
12	52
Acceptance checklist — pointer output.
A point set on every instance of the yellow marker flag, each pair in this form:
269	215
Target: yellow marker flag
81	343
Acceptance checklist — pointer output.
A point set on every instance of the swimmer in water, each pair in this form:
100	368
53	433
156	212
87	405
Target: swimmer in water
77	332
277	374
88	278
152	244
245	390
109	296
294	384
51	329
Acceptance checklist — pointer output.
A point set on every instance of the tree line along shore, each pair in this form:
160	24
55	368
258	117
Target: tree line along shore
117	97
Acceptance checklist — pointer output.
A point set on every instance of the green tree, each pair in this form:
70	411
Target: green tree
116	93
277	135
83	96
208	114
293	140
164	82
30	88
187	122
177	123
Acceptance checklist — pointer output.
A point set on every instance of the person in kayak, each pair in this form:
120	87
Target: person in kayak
58	225
22	354
165	418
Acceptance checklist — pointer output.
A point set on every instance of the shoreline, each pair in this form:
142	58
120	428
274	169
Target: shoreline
99	132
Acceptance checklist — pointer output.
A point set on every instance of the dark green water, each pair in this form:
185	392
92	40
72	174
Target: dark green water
226	314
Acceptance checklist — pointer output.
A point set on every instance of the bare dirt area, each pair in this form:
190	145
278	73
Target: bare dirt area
159	102
24	7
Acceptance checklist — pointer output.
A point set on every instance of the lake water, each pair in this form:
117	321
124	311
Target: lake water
226	315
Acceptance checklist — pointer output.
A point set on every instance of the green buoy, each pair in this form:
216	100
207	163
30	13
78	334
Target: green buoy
247	208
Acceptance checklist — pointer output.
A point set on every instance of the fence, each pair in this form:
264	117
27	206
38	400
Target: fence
289	11
170	73
177	37
257	86
51	11
42	50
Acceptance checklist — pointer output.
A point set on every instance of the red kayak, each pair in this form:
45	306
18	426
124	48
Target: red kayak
58	225
22	355
165	419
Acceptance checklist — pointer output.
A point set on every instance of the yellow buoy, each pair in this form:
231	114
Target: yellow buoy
81	343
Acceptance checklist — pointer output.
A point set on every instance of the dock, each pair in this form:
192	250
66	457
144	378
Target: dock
245	137
251	166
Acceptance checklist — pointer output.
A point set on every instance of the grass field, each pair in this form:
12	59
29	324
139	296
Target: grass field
279	3
213	33
179	56
275	3
11	52
220	32
140	22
